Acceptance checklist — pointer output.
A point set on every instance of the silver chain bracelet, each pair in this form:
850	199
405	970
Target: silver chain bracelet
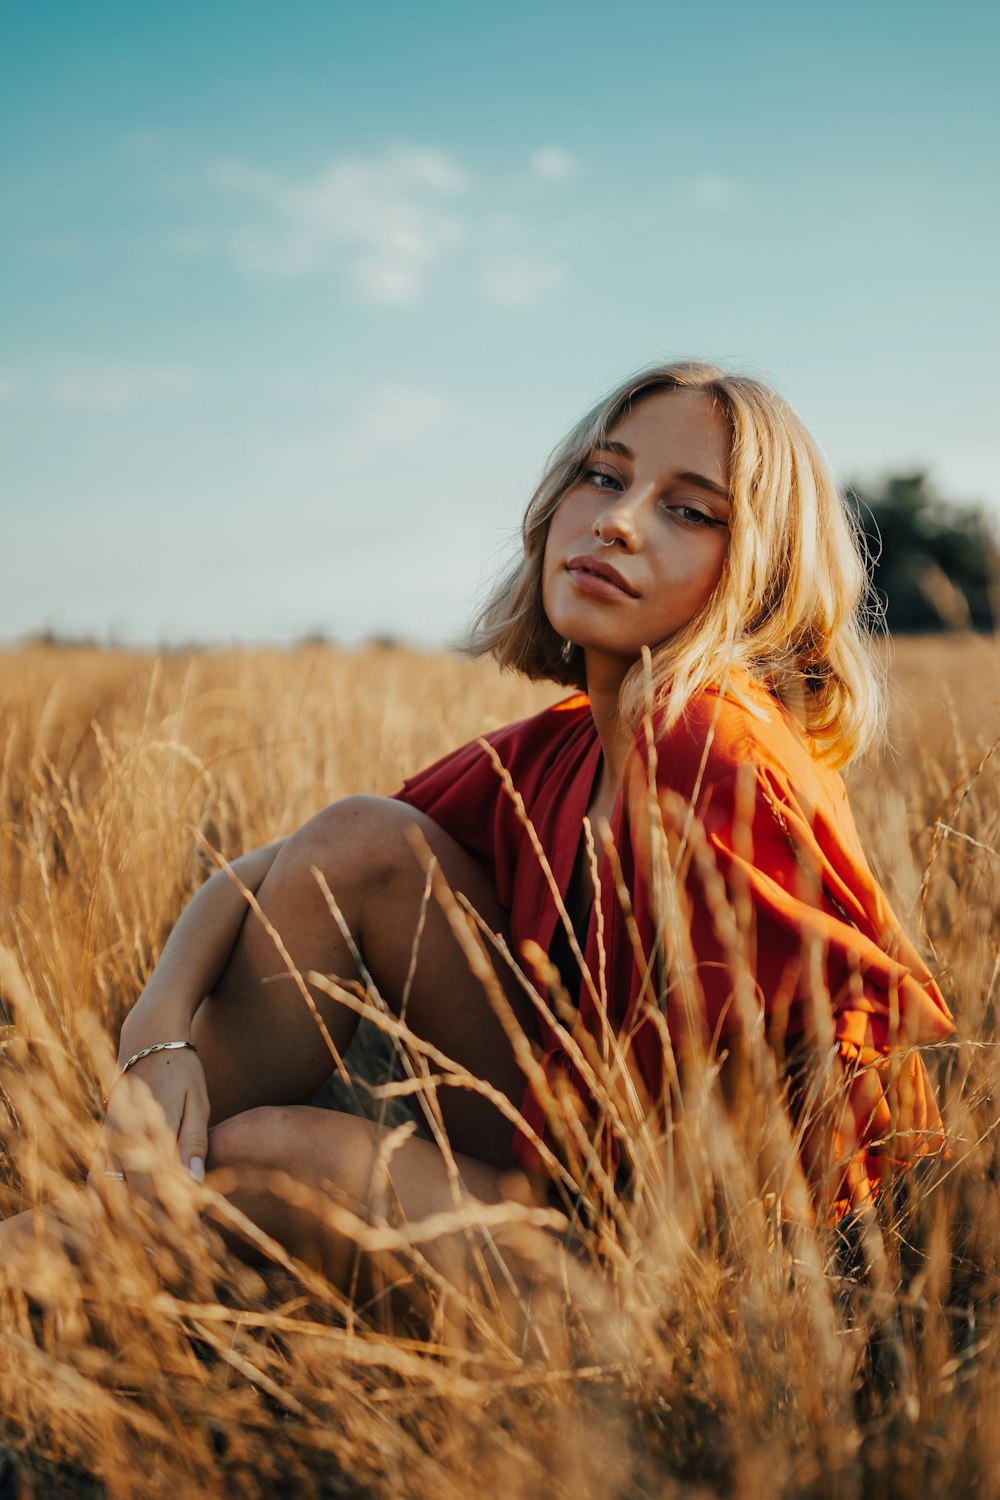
146	1052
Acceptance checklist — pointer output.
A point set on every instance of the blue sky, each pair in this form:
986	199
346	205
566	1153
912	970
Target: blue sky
296	300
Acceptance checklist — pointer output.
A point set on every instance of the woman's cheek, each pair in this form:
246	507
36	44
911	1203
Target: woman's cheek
548	602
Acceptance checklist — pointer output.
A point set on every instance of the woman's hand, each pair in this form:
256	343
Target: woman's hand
173	1083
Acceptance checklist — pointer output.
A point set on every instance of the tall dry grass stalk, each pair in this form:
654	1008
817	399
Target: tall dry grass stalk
695	1338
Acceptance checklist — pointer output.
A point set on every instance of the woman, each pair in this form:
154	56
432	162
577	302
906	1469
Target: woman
686	546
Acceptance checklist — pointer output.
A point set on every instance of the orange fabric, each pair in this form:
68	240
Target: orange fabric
775	912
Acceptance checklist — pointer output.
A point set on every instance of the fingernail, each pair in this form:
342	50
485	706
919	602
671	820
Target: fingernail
197	1168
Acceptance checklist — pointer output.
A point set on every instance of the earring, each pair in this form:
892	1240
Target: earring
566	651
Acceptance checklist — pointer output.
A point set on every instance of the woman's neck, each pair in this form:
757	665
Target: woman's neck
604	683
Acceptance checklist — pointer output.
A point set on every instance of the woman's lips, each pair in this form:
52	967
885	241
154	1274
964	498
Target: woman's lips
594	576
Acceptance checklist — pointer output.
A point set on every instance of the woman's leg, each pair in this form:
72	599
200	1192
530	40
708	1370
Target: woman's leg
344	1198
339	1156
255	1034
260	1043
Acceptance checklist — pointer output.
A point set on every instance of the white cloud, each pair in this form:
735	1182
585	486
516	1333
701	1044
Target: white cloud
553	163
372	441
111	389
387	225
710	187
503	226
190	242
142	144
386	222
520	280
394	417
389	281
60	248
104	387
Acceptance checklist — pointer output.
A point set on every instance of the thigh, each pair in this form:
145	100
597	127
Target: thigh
425	1214
448	1003
256	1033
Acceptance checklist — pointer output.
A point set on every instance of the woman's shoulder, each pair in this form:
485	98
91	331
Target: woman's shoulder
542	734
467	791
522	747
730	726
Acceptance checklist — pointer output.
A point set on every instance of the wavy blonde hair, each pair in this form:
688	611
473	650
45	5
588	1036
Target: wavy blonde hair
794	605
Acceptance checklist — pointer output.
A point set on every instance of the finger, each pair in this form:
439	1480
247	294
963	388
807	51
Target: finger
137	1130
114	1170
129	1111
108	1166
192	1137
107	1175
164	1110
103	1161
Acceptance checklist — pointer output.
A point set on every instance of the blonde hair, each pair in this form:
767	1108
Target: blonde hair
794	605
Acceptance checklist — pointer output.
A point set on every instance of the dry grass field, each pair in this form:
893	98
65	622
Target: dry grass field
706	1347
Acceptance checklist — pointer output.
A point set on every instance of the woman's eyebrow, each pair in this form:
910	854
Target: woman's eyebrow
611	445
689	477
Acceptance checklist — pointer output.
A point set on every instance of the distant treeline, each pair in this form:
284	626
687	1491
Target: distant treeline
935	564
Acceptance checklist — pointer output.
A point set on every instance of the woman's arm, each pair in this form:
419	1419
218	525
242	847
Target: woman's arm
193	958
194	955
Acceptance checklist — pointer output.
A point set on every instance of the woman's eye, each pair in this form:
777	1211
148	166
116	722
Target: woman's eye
597	475
695	517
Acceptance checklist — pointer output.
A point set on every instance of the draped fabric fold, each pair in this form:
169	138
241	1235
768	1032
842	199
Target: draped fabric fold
734	891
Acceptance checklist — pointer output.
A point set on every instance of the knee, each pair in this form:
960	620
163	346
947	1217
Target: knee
257	1138
358	839
320	1148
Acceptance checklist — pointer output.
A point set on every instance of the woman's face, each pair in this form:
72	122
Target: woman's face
637	545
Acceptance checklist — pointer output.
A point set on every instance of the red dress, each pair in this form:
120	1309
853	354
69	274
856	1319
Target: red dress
769	869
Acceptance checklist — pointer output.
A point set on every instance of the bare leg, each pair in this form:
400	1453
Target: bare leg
342	1162
255	1035
260	1045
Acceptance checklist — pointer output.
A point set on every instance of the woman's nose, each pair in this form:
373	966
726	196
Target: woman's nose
618	522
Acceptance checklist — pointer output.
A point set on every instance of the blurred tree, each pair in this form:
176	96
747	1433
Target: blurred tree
936	565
